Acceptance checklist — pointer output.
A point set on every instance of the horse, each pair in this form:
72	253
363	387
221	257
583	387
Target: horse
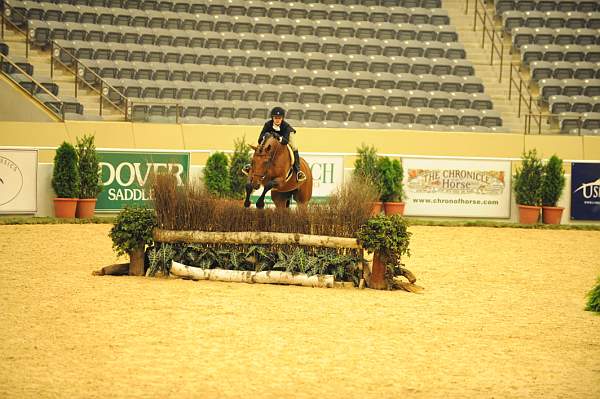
271	168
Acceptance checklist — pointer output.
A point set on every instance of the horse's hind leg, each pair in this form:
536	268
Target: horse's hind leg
281	200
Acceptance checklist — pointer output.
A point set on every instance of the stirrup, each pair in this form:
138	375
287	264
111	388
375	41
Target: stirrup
246	169
300	176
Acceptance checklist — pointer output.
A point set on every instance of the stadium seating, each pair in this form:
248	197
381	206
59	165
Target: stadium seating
395	61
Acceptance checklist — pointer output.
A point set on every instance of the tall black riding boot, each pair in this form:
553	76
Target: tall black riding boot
300	176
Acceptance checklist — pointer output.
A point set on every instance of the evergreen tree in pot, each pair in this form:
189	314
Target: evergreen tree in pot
240	158
390	176
65	181
528	187
130	235
216	175
89	176
553	183
365	169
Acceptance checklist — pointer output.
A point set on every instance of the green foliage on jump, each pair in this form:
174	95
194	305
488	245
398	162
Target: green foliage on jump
593	303
388	236
553	181
132	228
65	175
342	264
89	171
239	158
216	175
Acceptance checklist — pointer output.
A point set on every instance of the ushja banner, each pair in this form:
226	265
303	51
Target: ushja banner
457	188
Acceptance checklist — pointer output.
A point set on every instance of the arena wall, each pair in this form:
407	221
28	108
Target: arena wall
221	137
340	142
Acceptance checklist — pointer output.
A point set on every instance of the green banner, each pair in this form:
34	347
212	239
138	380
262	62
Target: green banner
126	176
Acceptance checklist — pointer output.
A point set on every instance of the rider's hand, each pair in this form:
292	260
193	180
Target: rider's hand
283	140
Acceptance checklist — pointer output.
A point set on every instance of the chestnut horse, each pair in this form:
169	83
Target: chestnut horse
272	168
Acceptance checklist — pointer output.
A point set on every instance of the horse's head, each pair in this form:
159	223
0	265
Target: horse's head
262	161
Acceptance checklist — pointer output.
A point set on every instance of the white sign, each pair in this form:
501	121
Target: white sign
457	188
18	181
327	174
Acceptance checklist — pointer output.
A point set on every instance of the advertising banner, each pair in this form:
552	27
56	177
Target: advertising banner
327	172
457	188
585	191
125	175
18	181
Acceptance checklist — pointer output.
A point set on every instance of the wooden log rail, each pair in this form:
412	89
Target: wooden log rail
253	237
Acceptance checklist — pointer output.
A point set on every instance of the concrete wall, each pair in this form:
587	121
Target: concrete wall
194	137
15	105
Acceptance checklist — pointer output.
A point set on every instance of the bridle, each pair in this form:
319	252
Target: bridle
271	157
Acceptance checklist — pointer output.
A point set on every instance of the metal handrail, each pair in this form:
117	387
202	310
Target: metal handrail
7	11
104	86
525	96
491	33
79	73
541	115
4	58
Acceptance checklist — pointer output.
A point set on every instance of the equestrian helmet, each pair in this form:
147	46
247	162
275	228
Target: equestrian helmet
278	111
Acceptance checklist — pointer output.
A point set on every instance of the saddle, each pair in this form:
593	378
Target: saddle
290	172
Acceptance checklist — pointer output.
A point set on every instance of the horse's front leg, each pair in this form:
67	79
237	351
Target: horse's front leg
260	203
249	190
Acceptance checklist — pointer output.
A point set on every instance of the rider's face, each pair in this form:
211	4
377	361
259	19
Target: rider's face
277	120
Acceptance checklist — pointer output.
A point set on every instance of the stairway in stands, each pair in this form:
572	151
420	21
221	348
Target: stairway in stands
40	59
481	60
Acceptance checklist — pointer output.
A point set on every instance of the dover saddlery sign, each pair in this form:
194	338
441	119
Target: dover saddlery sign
18	181
461	188
585	191
125	175
327	173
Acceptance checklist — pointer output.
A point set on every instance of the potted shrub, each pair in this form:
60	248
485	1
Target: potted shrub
528	188
388	238
390	176
216	174
239	158
65	181
365	169
131	233
89	177
553	183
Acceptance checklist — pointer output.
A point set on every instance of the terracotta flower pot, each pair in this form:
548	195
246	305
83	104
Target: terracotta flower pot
529	214
85	208
377	279
394	208
65	207
552	214
376	209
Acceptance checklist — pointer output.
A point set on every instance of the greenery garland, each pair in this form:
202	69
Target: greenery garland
342	264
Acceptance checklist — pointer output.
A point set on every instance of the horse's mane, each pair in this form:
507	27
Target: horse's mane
261	147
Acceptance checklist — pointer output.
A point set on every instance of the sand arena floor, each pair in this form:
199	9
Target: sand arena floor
502	317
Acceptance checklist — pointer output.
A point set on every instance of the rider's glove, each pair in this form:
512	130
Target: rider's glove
283	140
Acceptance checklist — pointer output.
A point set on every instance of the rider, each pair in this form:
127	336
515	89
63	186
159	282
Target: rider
285	133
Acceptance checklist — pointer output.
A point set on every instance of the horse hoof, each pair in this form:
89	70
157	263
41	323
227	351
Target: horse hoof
260	205
246	204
